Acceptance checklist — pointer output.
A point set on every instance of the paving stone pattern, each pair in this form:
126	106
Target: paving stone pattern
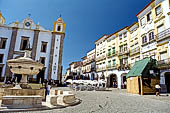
115	101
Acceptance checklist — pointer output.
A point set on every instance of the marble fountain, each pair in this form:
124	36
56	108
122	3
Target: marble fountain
23	97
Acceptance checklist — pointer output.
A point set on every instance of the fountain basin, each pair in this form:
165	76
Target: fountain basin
24	66
21	101
24	92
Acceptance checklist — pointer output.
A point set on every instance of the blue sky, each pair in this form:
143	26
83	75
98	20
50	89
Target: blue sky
86	20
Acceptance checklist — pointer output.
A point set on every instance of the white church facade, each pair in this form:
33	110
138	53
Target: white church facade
46	46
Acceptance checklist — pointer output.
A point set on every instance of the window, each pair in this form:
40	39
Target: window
144	39
151	36
109	63
125	47
120	36
121	49
160	28
158	10
163	55
142	21
1	68
149	17
1	58
114	62
42	60
59	28
125	35
24	43
113	50
43	46
109	52
3	43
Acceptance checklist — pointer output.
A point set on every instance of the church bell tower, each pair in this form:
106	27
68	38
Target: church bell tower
59	26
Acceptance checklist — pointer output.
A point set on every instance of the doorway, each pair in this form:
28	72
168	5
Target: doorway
112	81
167	81
123	81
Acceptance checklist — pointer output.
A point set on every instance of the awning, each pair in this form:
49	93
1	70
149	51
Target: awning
138	68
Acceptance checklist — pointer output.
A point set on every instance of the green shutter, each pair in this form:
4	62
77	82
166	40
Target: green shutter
113	50
109	52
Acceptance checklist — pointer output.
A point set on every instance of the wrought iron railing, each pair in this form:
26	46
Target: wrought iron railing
162	35
112	54
124	52
164	63
100	58
135	50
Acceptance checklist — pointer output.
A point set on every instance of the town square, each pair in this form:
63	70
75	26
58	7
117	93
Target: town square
85	56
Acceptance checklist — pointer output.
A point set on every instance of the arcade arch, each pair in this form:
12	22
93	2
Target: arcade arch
112	80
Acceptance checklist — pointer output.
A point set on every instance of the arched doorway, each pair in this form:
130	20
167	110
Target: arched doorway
167	81
112	81
123	81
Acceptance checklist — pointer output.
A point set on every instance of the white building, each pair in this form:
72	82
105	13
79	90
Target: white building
89	65
46	45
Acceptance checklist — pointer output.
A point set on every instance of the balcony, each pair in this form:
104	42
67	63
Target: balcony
123	52
135	51
101	69
125	66
164	64
111	66
163	35
100	58
90	60
112	54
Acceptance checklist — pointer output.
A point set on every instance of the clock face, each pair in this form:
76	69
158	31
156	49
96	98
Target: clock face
27	24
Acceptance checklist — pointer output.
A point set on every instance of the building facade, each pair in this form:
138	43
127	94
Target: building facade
154	24
89	65
116	53
46	46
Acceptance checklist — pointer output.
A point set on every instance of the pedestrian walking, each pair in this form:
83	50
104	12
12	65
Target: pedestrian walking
157	86
47	89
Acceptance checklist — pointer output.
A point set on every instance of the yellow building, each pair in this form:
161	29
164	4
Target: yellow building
135	43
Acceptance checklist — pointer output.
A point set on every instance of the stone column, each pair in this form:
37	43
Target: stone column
24	79
11	50
35	43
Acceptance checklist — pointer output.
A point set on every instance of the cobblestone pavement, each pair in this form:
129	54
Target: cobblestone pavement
115	101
